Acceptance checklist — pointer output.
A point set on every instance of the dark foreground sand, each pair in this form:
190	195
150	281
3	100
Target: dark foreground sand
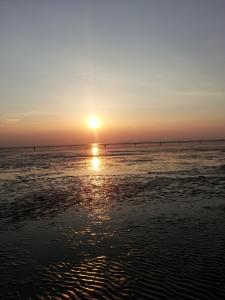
140	236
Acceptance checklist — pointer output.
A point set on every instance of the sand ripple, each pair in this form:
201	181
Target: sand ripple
153	236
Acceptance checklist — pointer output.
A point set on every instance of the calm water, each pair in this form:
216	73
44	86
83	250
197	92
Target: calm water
131	223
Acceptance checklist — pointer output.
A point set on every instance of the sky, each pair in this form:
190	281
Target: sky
149	69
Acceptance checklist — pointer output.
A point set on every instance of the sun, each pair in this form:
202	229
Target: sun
94	122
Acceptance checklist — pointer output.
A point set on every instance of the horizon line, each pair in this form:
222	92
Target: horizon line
103	144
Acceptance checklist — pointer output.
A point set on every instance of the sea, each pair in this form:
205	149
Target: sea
144	222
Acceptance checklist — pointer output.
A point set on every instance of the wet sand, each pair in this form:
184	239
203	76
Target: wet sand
132	227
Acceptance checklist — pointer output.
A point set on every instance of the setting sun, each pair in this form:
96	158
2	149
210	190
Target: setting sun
94	122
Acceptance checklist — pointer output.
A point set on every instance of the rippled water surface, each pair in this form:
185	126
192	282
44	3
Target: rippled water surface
131	223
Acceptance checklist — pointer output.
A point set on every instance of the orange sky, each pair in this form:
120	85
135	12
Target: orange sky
65	133
153	70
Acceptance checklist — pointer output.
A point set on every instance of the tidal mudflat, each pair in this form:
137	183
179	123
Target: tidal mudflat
132	223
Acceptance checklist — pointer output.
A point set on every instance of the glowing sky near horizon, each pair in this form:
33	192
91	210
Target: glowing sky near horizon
150	69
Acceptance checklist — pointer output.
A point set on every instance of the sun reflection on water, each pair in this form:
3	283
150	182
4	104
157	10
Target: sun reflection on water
94	150
95	159
96	163
98	204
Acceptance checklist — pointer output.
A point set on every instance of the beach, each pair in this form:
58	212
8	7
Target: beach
115	223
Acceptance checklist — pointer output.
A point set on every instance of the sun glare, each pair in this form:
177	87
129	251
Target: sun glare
94	122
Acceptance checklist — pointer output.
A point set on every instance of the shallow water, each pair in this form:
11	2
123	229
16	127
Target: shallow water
132	223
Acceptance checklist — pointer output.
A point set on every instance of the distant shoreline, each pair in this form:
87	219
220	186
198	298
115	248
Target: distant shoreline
115	144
